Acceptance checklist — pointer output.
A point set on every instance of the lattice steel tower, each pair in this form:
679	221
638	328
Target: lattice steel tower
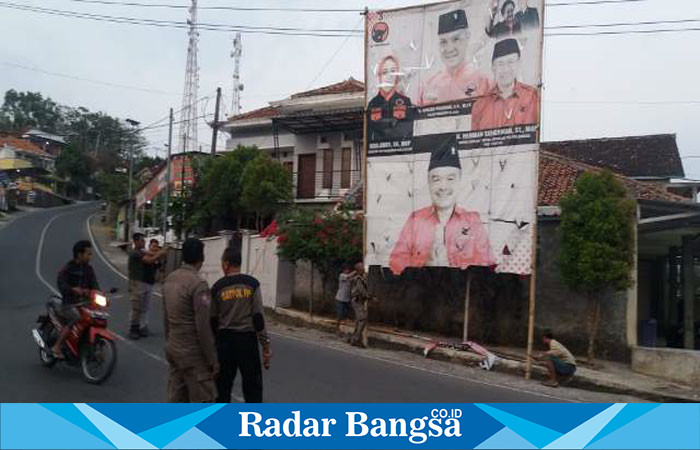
237	85
188	116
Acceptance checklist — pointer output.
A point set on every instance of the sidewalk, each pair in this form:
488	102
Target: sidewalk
611	377
110	249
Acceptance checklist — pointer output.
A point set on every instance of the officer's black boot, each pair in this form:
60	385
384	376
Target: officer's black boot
134	332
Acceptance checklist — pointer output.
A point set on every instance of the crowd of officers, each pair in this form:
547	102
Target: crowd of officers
212	333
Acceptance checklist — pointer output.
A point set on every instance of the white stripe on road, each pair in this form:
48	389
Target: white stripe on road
99	252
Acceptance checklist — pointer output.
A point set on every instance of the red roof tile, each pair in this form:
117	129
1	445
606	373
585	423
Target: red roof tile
558	175
261	113
344	87
23	145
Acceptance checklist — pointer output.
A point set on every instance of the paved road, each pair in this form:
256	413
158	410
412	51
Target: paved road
307	366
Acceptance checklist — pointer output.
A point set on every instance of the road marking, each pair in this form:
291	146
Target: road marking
423	369
37	266
99	252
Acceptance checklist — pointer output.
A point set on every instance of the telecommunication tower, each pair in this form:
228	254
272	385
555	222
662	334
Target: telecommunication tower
237	85
188	116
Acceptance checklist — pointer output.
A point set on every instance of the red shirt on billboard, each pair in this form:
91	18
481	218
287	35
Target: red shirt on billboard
443	234
423	241
458	80
521	107
509	102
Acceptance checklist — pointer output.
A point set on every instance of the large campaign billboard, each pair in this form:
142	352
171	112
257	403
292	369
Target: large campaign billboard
453	99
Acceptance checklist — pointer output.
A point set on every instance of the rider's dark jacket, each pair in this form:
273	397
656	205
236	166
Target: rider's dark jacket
74	275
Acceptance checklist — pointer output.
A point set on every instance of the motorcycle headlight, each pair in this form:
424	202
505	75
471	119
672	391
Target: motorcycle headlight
101	300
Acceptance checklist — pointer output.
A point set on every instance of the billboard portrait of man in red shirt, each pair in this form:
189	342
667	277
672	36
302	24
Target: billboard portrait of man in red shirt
509	102
442	234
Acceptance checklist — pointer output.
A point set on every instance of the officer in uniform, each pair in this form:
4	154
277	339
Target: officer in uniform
458	80
390	113
238	323
509	102
189	346
442	234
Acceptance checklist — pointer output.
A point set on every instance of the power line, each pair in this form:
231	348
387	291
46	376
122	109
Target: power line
610	33
622	24
624	102
285	31
76	78
594	2
216	8
342	44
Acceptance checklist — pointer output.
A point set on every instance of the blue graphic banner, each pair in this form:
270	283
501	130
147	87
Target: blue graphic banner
349	426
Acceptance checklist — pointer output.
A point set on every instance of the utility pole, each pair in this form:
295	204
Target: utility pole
129	209
167	179
215	126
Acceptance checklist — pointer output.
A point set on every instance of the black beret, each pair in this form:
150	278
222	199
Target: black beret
506	47
445	153
452	21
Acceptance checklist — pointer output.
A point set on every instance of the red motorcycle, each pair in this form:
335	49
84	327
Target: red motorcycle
89	345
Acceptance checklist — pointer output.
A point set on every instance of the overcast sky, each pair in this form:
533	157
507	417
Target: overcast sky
595	86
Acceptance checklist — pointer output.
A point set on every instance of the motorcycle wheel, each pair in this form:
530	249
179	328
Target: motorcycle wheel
45	356
97	360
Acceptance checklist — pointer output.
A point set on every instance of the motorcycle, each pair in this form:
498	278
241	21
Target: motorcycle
90	345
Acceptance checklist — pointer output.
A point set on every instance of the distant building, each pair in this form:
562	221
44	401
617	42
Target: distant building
316	135
50	143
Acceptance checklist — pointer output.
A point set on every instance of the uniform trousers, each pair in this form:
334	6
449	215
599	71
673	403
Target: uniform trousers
239	350
190	384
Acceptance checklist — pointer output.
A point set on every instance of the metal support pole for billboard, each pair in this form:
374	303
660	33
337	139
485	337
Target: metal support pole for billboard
167	179
465	331
363	164
533	259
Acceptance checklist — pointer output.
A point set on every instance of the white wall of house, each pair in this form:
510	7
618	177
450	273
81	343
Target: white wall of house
291	146
7	153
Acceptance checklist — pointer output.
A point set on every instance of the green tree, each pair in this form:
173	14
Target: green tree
266	187
597	241
218	189
100	142
22	110
74	166
326	239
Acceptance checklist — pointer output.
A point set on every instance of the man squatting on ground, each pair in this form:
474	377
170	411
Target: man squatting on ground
561	364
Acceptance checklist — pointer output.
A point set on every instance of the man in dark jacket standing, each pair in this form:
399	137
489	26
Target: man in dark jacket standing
189	346
238	323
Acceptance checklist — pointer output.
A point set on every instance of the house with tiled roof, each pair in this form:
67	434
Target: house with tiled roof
316	134
22	151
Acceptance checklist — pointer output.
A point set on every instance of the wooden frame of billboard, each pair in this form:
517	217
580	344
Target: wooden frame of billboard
533	258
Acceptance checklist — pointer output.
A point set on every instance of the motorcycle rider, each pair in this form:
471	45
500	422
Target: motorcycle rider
75	282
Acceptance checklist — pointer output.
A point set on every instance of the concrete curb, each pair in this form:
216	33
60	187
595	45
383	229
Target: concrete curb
582	380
